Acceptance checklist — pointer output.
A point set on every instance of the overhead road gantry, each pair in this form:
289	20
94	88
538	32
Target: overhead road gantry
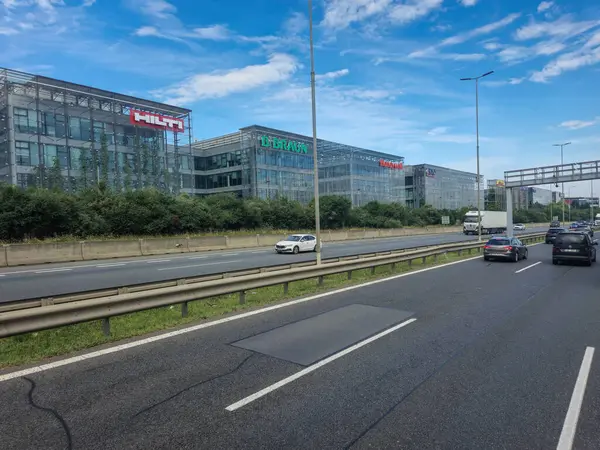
561	173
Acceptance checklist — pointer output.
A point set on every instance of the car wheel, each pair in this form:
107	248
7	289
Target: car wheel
516	258
588	263
526	254
314	248
555	262
296	250
278	251
486	258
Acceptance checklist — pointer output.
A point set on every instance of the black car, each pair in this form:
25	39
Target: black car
555	224
576	246
502	247
587	229
551	234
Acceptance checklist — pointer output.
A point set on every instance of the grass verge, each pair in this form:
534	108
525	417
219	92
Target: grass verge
32	347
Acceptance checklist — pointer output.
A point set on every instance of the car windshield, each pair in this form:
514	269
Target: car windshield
555	230
293	238
498	241
470	219
570	239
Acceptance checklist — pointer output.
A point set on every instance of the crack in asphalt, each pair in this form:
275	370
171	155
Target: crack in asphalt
55	413
208	380
437	370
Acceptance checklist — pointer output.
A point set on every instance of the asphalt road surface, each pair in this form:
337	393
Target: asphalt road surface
474	355
17	283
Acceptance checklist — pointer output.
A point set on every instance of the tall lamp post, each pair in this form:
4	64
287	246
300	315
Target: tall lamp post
563	184
476	79
314	129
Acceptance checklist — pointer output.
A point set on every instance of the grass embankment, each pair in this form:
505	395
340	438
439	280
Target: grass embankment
33	347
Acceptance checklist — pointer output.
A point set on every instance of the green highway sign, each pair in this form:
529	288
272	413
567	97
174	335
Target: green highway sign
283	144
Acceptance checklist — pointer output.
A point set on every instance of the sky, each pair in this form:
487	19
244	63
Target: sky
387	71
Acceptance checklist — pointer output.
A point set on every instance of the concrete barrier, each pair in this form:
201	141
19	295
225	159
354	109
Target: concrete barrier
3	259
198	244
111	249
164	246
21	254
242	241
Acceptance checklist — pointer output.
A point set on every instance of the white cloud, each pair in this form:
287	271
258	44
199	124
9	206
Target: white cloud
340	14
578	124
332	75
587	55
279	67
437	131
7	31
544	6
146	31
564	27
480	31
160	9
492	46
468	3
411	10
213	33
88	3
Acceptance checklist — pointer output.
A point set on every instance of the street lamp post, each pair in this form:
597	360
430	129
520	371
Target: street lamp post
314	129
476	79
563	184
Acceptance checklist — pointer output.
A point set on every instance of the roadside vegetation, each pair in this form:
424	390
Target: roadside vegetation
38	214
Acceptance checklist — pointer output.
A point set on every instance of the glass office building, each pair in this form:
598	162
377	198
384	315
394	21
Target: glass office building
59	134
440	187
265	163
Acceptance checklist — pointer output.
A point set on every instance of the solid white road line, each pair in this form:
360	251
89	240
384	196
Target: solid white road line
314	367
153	261
64	269
199	265
160	337
567	436
528	267
198	257
111	265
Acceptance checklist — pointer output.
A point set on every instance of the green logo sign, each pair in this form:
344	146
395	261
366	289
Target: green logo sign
283	144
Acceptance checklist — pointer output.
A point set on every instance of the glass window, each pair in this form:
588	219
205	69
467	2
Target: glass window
25	120
85	130
74	128
63	156
23	156
50	153
75	154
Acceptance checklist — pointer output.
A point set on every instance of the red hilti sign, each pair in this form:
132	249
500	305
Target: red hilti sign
390	164
156	121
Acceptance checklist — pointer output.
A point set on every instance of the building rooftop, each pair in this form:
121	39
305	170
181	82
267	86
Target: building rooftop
15	76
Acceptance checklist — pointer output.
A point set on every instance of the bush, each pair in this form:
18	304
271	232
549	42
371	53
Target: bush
43	213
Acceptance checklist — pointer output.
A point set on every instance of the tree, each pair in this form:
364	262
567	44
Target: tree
84	165
127	182
103	159
155	168
56	180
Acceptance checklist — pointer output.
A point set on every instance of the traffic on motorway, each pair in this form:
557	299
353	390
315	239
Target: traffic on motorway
463	355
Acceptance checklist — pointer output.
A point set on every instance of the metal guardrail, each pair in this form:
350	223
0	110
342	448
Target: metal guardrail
77	309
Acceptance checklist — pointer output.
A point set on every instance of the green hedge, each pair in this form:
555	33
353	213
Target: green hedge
44	213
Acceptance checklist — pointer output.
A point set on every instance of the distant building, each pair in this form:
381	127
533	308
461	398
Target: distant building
522	198
440	187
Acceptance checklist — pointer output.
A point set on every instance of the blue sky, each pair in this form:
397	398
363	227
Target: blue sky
387	70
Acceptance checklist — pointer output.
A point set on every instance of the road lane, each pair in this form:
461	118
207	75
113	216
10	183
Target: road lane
490	362
17	283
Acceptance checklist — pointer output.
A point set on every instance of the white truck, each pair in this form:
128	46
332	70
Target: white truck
492	222
597	220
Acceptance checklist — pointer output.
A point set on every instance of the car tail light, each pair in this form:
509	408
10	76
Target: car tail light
508	247
486	246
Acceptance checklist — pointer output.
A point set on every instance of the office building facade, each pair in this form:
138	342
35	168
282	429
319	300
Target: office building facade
264	162
440	187
59	134
523	197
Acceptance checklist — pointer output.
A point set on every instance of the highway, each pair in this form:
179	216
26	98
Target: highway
473	355
17	283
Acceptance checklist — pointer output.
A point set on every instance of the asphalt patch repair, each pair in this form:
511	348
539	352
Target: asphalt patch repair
310	340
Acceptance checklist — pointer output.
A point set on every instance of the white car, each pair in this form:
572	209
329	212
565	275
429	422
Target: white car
297	243
519	227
